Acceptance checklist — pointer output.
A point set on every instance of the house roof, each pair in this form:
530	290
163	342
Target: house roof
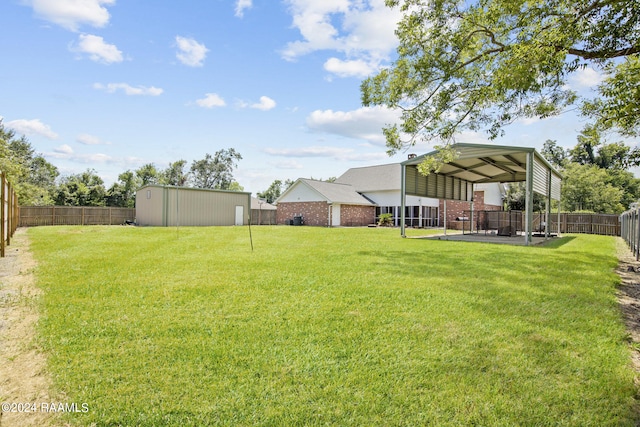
261	205
330	192
373	178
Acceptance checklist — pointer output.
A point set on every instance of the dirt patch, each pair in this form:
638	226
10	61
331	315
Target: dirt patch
629	298
23	378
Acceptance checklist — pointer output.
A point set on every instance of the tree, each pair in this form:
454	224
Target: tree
235	186
587	188
515	198
619	103
215	172
276	188
611	160
174	174
123	192
482	64
148	174
273	192
31	175
83	189
554	154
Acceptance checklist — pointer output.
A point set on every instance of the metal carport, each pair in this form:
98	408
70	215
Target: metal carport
479	163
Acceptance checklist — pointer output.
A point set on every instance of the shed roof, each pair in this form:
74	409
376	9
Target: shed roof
331	192
478	163
206	190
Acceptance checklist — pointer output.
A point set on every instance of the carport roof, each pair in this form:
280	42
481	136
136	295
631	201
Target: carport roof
479	163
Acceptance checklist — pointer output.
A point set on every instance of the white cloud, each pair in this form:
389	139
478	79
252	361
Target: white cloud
364	31
587	77
97	49
63	149
364	123
87	139
190	52
32	127
318	151
65	152
128	89
265	104
287	164
354	68
211	100
241	5
71	14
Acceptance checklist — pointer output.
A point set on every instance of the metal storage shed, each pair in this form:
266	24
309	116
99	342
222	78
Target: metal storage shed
183	206
477	163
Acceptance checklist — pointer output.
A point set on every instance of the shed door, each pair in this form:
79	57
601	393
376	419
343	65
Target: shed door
239	215
335	215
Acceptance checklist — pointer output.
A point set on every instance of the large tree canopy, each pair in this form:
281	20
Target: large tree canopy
32	176
481	64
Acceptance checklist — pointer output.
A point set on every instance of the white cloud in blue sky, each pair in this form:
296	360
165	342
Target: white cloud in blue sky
190	52
127	89
265	104
211	100
72	14
97	49
31	127
86	139
241	6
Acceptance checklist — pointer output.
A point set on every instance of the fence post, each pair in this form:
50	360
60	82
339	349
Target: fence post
636	233
2	206
9	208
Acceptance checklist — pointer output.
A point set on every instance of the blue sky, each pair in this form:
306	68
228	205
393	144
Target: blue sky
115	84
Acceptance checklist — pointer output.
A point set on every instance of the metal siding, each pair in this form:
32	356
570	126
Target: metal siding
196	207
421	185
436	186
448	187
556	185
411	180
149	211
540	183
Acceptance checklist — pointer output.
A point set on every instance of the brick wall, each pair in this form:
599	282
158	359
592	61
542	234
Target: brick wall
317	213
314	213
456	209
354	215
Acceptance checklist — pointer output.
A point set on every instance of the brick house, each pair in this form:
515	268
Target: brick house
324	204
382	185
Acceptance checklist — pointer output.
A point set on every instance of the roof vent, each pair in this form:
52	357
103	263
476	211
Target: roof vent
412	156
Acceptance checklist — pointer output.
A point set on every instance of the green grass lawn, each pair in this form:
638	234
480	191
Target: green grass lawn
316	326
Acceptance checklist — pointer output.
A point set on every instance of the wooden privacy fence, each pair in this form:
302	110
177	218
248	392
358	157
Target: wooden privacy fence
8	213
31	216
585	223
263	217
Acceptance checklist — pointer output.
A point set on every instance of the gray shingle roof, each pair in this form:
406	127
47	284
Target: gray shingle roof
337	193
373	178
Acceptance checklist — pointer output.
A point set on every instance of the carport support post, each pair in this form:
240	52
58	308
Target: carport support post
528	204
445	216
403	198
547	225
